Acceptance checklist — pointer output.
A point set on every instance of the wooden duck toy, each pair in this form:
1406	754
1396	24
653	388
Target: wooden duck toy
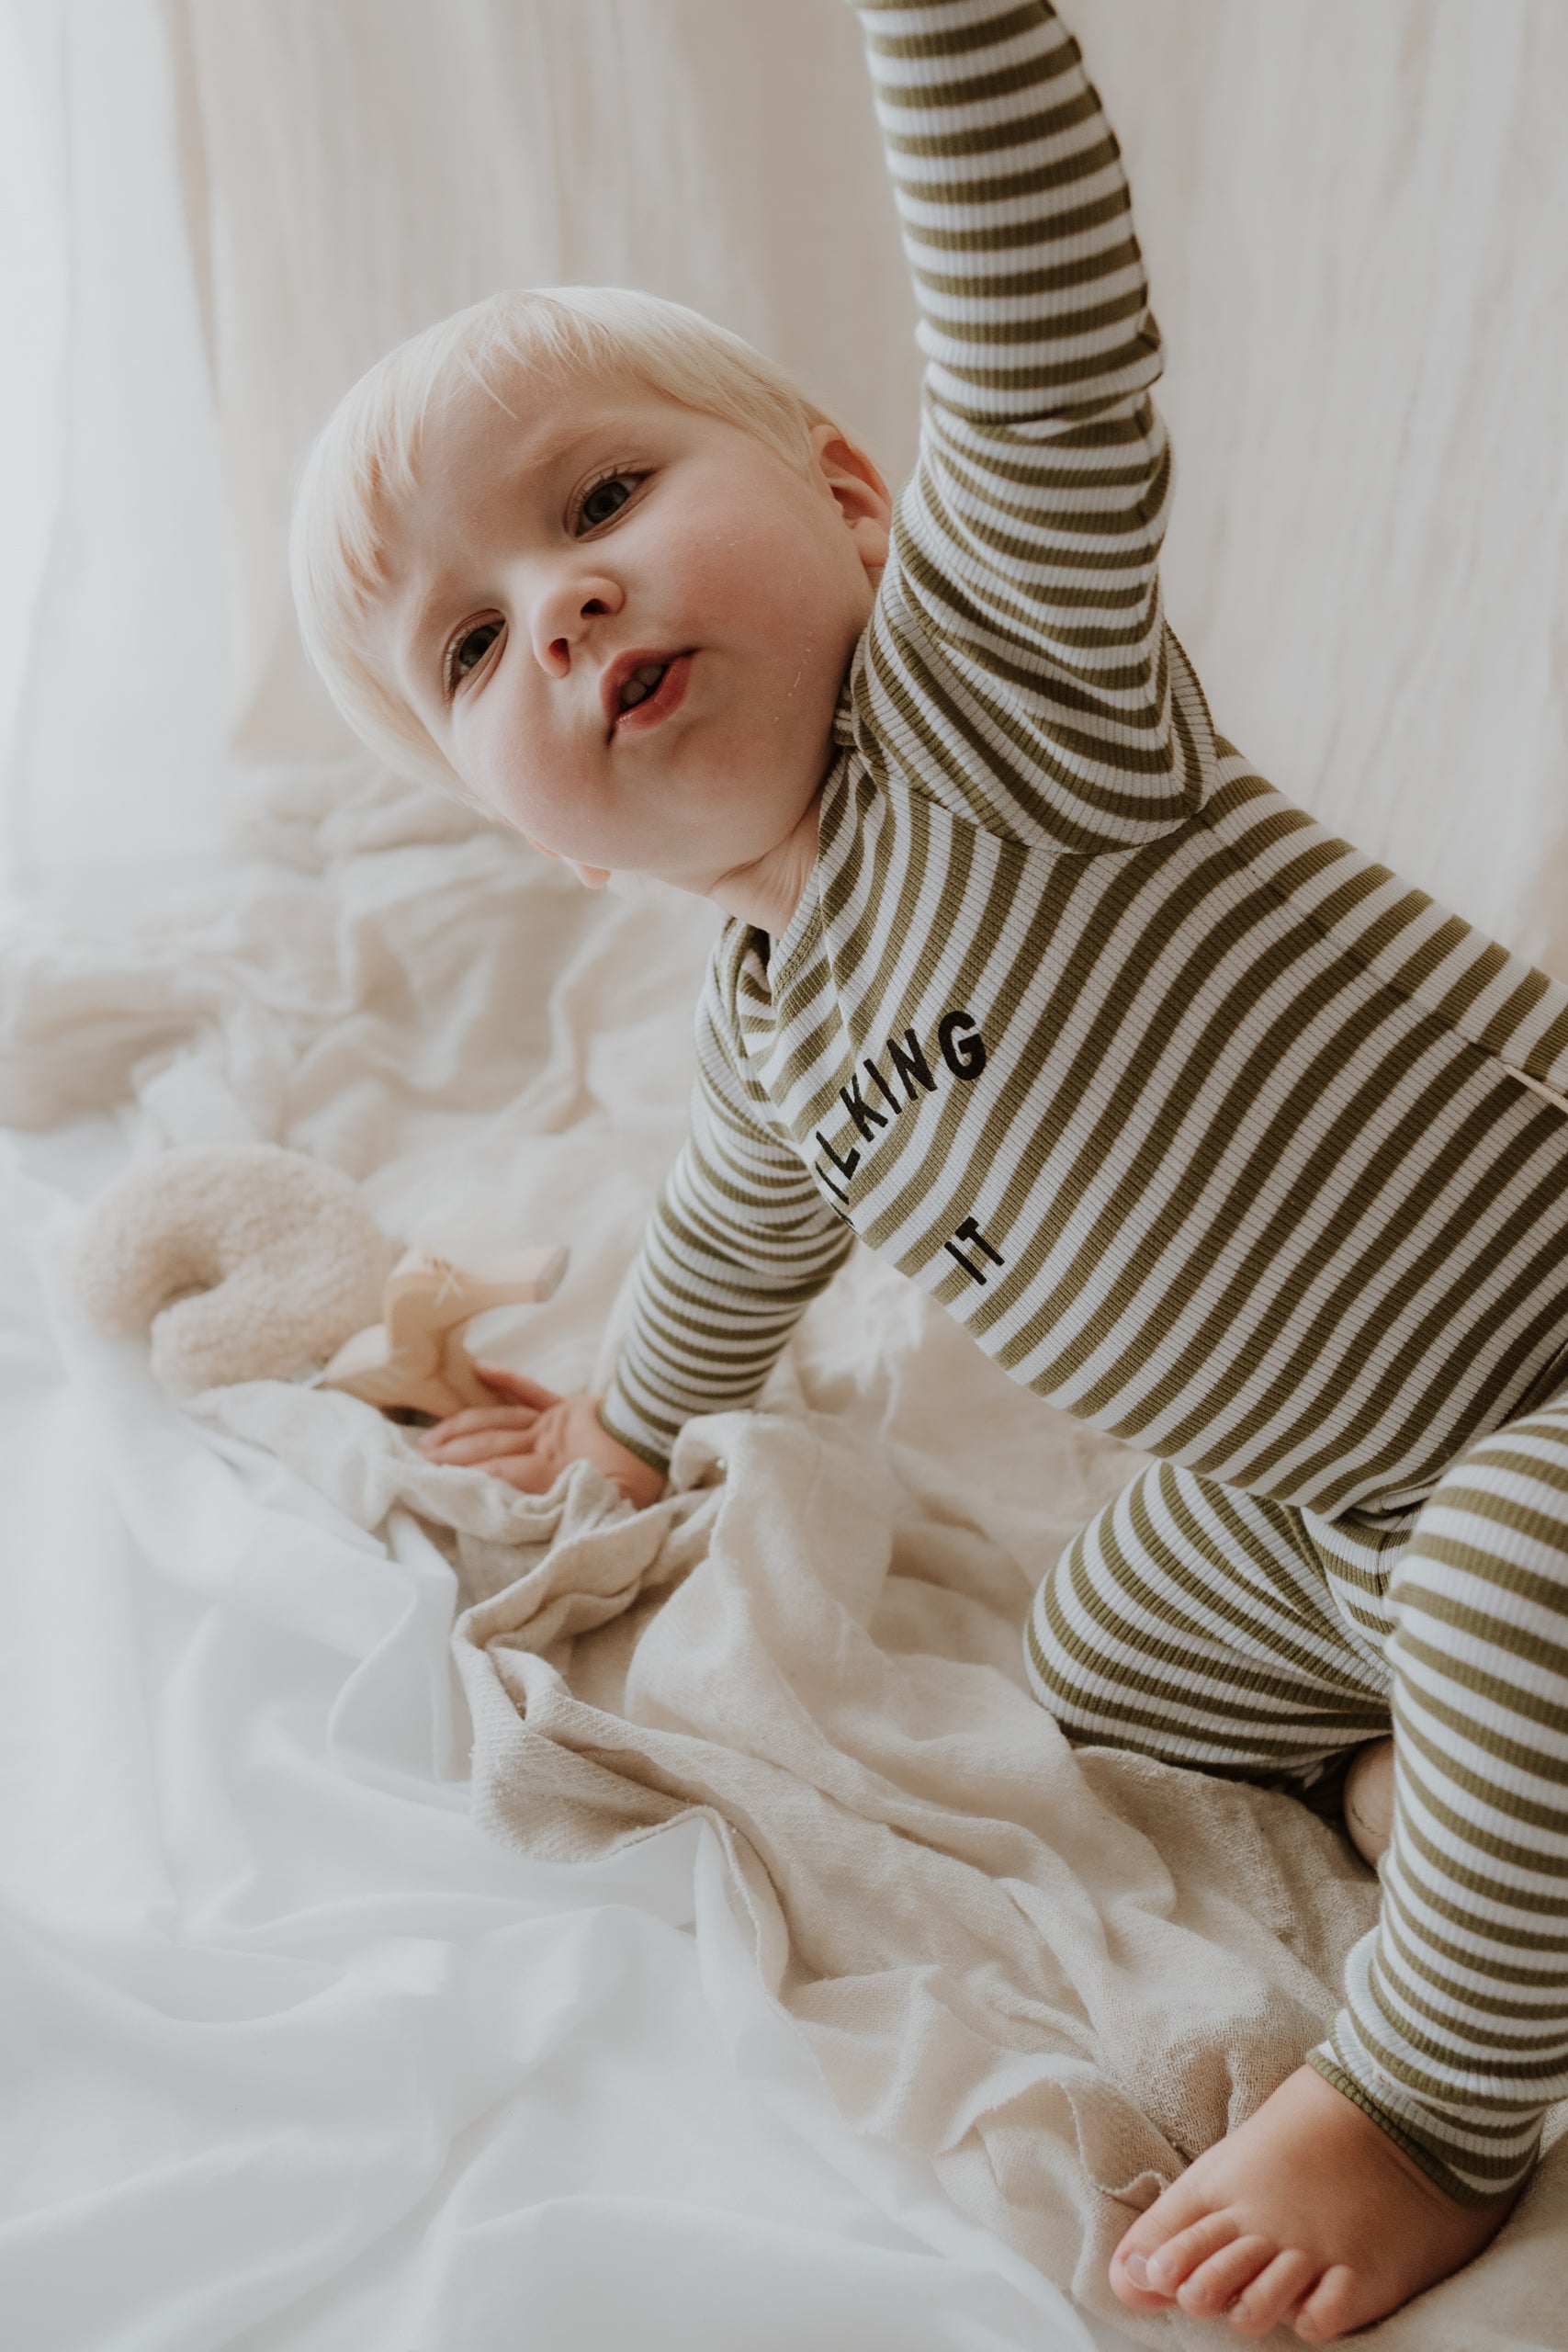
414	1360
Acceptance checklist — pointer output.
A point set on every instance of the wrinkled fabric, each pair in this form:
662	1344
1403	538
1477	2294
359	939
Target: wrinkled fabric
299	2059
1030	1980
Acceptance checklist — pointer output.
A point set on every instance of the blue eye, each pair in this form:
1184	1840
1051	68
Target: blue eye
606	498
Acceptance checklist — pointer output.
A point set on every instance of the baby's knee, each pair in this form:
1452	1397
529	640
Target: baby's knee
1054	1654
1076	1638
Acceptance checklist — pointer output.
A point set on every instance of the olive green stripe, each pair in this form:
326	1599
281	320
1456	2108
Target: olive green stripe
1453	1901
1118	1721
1047	175
1159	759
1079	451
1512	2059
1407	1172
1030	72
913	688
1231	1220
1008	236
1157	1092
1510	1754
1023	285
893	871
908	1149
1488	2040
1481	1845
1073	1086
1464	1553
960	40
1199	1596
1535	1468
971	332
1514	1641
1509	1375
1059	524
1060	611
913	713
1032	936
1483	1260
1545	1970
901	99
1551	1047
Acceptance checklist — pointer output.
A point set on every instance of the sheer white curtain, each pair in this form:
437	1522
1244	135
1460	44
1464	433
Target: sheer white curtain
1355	224
111	671
1353	218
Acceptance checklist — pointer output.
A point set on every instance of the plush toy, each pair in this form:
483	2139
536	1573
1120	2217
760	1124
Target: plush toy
250	1263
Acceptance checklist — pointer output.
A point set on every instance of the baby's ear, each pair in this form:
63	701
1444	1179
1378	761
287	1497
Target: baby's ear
857	489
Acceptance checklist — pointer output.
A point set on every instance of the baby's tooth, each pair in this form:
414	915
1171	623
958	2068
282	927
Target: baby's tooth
641	683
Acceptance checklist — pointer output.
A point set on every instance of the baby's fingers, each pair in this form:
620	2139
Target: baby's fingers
530	1474
517	1386
477	1417
479	1448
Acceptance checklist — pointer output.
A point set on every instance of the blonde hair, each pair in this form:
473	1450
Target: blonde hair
368	455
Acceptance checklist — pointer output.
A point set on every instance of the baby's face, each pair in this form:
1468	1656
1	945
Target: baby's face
626	624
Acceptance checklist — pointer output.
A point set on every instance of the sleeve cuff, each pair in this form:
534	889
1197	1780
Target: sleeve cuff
639	1446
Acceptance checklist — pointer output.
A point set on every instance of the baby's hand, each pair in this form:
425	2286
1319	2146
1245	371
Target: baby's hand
530	1440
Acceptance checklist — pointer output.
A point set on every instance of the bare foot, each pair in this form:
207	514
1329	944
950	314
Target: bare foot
1306	2213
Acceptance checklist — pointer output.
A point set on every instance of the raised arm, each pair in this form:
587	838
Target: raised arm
1016	665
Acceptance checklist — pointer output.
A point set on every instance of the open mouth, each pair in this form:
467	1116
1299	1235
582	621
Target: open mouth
649	692
642	682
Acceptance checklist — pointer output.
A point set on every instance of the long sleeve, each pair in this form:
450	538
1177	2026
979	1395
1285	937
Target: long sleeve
1017	667
738	1245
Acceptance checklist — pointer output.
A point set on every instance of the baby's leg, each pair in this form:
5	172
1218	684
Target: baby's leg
1395	2154
1194	1624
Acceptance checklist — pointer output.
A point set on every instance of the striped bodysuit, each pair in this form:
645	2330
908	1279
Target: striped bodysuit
1208	1129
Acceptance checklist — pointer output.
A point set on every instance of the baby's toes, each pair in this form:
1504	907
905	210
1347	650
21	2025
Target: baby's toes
1333	2307
1275	2293
1210	2285
1162	2246
1169	2265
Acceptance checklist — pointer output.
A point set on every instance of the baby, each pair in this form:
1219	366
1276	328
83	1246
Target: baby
1208	1129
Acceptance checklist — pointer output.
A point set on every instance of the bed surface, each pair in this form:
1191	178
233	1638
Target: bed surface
788	1979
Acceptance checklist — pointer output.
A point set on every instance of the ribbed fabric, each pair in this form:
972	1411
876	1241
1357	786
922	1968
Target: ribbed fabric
1206	1128
1200	1123
1195	1624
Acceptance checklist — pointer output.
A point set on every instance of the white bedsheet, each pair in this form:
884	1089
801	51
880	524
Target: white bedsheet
296	2058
